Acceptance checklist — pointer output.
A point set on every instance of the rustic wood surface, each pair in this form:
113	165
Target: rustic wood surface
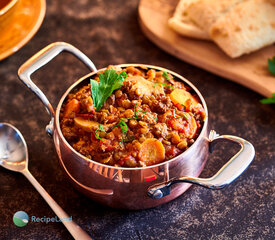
249	70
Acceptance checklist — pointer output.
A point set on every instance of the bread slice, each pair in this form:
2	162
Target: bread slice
181	23
247	27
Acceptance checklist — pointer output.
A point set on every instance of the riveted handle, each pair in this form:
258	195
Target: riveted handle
40	59
226	175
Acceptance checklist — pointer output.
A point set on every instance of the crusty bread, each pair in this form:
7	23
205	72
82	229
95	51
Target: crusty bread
247	27
181	23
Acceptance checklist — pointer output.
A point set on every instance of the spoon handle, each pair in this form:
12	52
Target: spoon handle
72	227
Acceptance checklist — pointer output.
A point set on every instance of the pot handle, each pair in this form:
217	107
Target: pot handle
40	59
226	175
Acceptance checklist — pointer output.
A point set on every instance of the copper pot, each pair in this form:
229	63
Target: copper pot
142	187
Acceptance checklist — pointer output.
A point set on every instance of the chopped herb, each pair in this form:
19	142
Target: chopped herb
156	119
100	128
174	114
166	85
122	125
142	111
121	141
184	108
271	68
271	65
185	116
268	100
135	116
124	119
109	81
166	76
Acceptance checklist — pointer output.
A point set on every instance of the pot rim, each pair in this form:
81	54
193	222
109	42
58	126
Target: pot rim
57	124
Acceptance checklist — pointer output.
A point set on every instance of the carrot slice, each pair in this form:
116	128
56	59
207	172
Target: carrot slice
177	124
72	107
151	152
191	127
187	125
182	97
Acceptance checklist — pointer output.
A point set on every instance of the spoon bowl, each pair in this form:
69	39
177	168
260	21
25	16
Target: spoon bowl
13	148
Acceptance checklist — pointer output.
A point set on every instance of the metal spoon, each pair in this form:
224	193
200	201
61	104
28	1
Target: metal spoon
14	156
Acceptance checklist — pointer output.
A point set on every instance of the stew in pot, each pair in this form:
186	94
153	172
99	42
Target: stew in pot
132	117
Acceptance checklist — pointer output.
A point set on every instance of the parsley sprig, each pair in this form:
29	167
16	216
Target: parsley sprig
109	81
271	65
166	76
122	124
135	116
184	107
271	68
268	100
142	111
174	114
100	128
177	116
166	85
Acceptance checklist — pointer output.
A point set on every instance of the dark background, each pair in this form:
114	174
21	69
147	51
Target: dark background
108	33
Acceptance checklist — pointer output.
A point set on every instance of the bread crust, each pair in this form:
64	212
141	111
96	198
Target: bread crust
181	23
237	26
246	28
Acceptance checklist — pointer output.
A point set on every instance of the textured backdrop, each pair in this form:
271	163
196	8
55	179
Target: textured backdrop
108	32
